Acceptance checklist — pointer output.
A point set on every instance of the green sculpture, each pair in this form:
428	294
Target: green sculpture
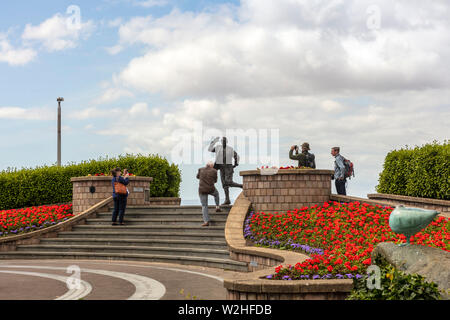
409	221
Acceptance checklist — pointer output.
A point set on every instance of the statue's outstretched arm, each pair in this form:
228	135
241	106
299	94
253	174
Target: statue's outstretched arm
293	156
211	145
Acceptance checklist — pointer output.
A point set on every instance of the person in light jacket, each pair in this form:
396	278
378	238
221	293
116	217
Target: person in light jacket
339	171
120	200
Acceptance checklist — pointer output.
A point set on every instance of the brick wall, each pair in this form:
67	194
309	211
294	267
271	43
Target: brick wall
165	201
443	206
239	295
83	199
287	189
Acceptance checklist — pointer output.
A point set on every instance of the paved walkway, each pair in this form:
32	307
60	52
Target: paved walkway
108	280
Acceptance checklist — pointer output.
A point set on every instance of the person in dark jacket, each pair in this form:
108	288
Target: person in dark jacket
120	200
305	159
207	177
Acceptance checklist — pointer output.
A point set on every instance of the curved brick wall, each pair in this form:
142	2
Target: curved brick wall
83	199
443	206
287	189
254	285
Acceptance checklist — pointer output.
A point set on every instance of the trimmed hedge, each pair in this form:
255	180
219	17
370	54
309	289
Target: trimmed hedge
47	185
417	172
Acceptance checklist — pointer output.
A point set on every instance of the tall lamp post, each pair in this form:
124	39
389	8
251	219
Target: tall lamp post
59	130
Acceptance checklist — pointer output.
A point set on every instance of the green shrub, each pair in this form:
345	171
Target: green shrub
418	172
395	285
47	185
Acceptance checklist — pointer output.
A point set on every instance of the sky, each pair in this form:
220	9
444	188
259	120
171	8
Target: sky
156	76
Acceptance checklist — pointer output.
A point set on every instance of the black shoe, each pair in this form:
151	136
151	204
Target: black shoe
226	203
122	224
114	224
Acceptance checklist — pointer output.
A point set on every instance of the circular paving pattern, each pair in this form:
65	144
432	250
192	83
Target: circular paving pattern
107	280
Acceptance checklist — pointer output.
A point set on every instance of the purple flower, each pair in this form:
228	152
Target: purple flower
316	276
269	276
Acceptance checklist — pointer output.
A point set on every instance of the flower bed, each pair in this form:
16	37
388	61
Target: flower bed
106	175
17	221
338	237
283	168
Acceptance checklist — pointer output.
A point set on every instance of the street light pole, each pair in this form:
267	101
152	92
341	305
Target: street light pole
59	130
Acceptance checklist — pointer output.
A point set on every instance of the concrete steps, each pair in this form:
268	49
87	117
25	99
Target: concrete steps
158	234
175	229
226	264
104	248
156	221
176	209
143	235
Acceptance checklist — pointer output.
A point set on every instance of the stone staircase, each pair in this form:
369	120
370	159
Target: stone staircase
157	234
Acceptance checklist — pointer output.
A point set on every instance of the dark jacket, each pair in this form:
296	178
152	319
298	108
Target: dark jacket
122	180
207	177
305	159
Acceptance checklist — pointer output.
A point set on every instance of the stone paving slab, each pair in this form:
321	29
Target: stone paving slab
181	282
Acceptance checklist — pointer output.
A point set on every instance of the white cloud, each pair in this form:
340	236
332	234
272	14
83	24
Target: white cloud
139	109
113	94
310	68
14	56
331	106
115	23
288	48
17	113
57	33
151	3
93	112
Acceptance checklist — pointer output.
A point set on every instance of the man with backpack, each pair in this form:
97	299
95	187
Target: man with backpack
343	169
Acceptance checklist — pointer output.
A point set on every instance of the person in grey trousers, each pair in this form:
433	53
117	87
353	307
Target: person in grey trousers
207	177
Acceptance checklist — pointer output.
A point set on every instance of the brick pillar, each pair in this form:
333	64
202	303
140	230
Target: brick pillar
83	198
287	189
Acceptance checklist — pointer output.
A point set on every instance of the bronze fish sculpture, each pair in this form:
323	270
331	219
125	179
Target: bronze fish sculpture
408	221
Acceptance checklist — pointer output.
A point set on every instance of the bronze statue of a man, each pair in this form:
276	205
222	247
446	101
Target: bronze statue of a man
224	163
305	158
